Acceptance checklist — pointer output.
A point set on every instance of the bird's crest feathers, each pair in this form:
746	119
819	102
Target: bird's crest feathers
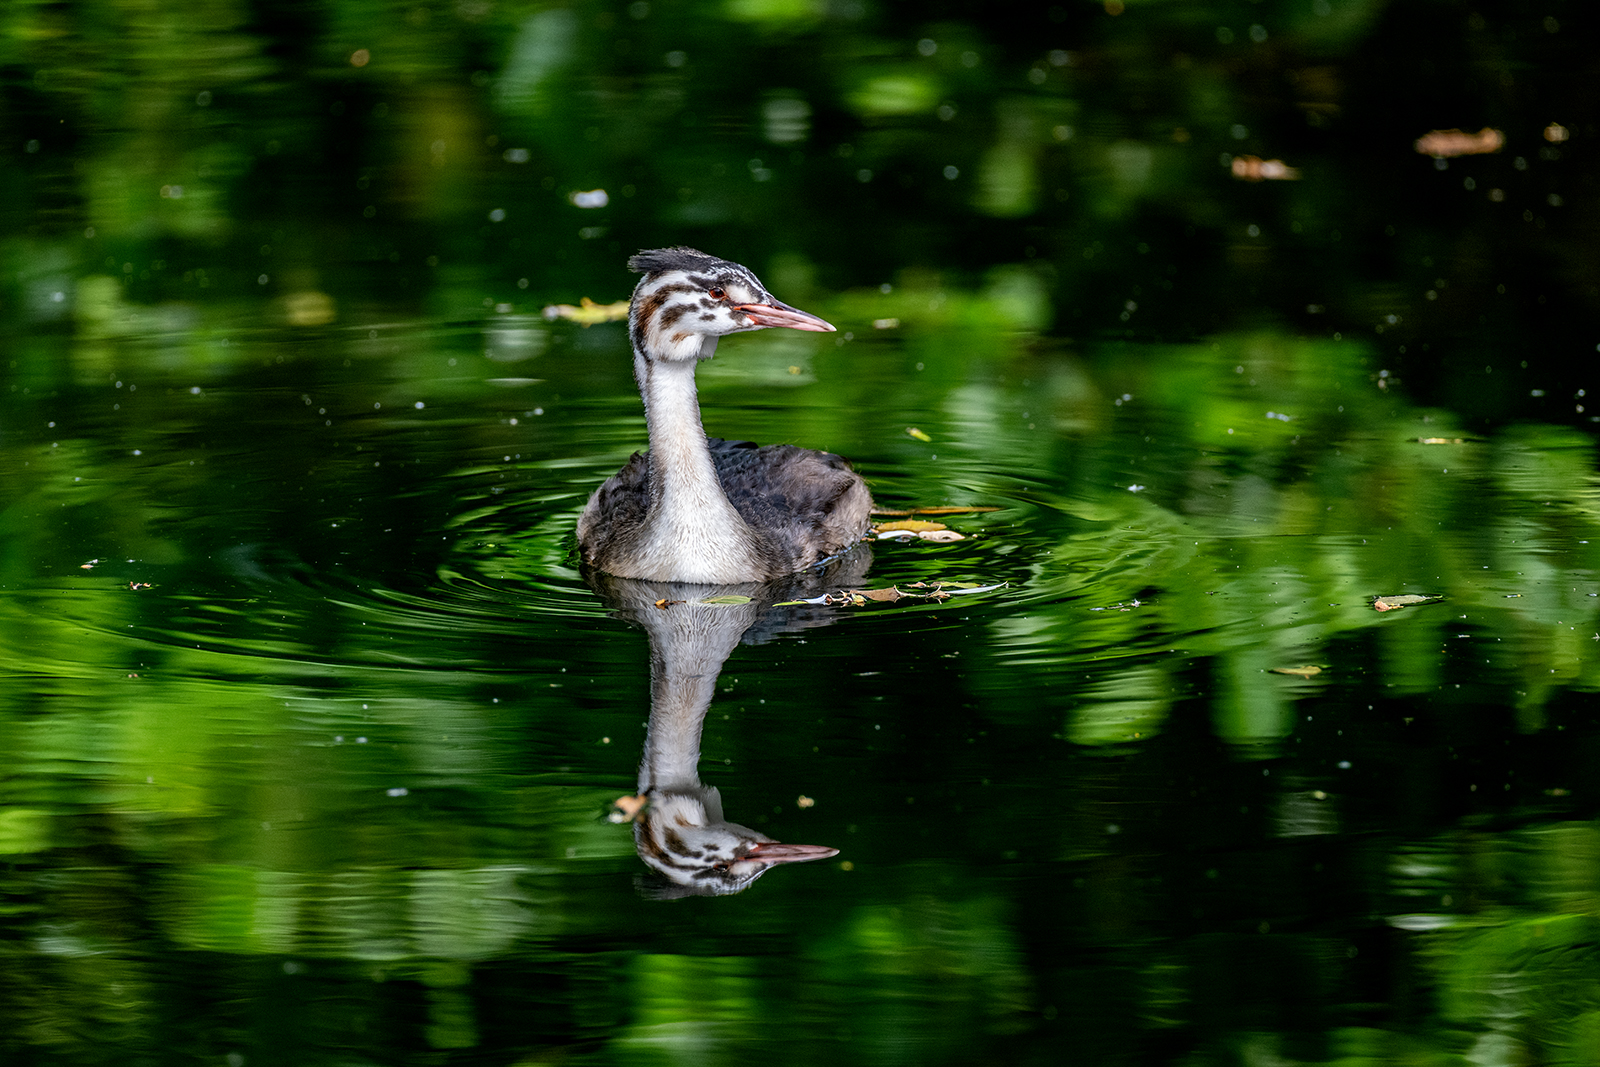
656	260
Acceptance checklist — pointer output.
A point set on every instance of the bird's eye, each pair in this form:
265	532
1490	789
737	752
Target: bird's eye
716	292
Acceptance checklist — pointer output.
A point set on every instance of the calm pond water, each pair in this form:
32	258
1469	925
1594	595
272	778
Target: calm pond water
1253	724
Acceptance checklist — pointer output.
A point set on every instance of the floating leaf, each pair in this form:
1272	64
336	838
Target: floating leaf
588	313
909	525
860	597
1442	144
1309	670
906	529
955	588
1256	169
729	599
912	431
950	510
664	604
961	588
1404	600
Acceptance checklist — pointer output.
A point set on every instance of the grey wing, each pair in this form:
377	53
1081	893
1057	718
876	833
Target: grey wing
616	509
810	505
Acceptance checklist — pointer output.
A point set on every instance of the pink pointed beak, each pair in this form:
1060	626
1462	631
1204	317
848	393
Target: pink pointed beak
781	314
777	851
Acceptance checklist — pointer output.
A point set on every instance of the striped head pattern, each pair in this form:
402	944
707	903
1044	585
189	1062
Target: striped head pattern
687	299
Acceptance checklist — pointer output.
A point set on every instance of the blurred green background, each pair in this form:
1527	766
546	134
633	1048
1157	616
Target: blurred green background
310	720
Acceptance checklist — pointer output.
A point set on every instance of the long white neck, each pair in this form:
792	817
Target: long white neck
688	645
692	526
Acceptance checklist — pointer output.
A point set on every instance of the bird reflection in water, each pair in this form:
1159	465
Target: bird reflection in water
680	830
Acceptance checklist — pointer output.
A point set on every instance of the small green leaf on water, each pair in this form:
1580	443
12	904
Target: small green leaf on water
730	599
912	431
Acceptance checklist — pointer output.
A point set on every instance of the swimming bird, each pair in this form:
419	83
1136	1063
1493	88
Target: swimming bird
710	511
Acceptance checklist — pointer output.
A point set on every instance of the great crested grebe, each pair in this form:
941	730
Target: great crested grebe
712	511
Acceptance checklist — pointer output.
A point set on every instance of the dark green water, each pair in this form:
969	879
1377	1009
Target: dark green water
311	724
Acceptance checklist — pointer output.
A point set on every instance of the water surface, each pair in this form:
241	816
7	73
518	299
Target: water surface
315	728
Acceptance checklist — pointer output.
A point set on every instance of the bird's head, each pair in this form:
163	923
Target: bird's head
688	299
682	836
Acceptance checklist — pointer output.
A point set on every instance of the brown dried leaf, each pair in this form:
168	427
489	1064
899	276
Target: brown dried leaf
909	525
889	595
1256	169
1308	670
1442	144
954	510
1404	600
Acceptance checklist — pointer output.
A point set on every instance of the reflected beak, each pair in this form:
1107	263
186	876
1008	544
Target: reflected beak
776	851
778	313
